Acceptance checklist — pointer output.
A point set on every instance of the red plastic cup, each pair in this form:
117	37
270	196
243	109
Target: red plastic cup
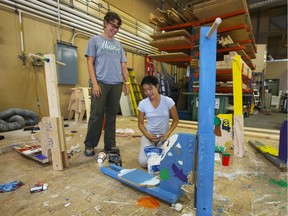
225	159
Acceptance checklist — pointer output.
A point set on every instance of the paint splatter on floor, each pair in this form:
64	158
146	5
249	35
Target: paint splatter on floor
280	183
148	202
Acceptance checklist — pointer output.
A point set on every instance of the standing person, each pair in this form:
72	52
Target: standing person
157	108
107	70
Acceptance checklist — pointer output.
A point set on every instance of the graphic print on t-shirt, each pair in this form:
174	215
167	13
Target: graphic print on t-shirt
109	47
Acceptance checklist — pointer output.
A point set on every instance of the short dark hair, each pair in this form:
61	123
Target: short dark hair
110	16
150	80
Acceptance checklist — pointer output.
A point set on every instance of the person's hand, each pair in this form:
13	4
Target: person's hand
126	89
96	90
152	138
165	137
155	138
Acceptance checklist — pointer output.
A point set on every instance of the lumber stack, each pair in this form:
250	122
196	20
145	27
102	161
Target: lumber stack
171	17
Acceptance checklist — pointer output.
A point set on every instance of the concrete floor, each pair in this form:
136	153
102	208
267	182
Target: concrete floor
266	119
248	186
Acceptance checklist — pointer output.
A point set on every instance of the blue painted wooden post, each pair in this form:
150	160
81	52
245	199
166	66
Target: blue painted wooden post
206	137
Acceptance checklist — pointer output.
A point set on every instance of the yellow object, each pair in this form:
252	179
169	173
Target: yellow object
237	85
269	150
127	83
135	95
252	108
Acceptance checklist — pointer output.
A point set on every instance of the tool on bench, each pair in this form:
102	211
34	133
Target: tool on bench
114	156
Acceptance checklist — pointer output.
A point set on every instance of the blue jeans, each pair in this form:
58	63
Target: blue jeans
108	104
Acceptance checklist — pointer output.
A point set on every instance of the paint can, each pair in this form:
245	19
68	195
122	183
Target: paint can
39	188
101	157
225	159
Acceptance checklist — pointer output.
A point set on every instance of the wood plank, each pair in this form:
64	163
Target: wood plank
169	55
175	33
31	151
52	86
87	101
54	109
237	35
231	22
275	160
238	136
50	140
216	8
171	42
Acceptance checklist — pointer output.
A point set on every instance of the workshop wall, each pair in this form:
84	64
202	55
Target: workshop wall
277	70
19	84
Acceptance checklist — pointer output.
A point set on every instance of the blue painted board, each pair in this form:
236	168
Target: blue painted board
206	137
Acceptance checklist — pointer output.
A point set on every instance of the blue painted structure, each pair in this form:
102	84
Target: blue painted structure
206	137
176	169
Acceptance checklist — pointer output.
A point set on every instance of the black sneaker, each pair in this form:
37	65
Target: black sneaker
114	150
89	152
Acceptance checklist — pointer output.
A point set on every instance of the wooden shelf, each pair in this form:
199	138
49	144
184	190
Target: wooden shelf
225	75
171	42
179	59
176	33
228	90
236	23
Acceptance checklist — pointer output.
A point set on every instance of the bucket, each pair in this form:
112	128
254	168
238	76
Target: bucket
225	159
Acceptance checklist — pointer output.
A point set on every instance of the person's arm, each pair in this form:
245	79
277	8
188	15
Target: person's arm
96	90
142	128
125	78
175	118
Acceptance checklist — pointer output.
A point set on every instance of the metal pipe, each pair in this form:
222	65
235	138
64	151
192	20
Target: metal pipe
138	50
21	31
215	25
73	20
97	23
59	20
87	17
31	55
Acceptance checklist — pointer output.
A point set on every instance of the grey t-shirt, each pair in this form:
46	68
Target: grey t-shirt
109	55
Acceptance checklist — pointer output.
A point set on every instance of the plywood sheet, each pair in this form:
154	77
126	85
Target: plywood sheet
169	56
237	35
215	8
171	42
249	50
175	33
231	22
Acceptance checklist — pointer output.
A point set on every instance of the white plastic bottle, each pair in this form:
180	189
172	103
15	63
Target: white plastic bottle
101	157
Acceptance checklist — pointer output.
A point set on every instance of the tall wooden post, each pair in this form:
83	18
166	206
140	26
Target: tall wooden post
206	137
52	129
238	107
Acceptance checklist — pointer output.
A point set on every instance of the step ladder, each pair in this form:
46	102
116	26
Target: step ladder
135	95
